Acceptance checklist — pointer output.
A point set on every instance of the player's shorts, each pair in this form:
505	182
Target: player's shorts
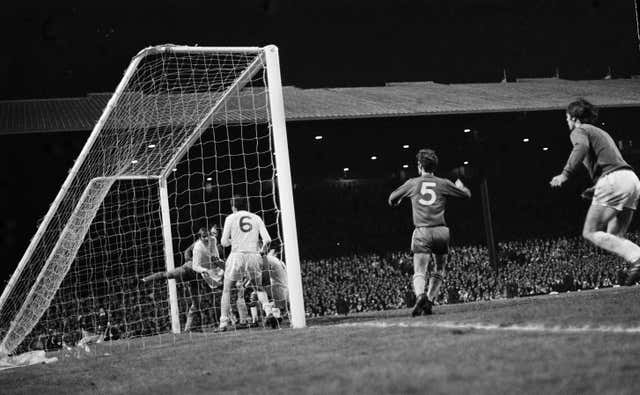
619	189
429	240
244	266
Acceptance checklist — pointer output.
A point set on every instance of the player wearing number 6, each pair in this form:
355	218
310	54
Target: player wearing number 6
248	238
428	195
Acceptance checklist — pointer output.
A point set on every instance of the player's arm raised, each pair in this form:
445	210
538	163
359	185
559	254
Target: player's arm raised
188	253
466	192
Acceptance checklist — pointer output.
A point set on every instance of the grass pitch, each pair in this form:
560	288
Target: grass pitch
584	342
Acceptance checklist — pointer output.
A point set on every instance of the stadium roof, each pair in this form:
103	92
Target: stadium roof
392	100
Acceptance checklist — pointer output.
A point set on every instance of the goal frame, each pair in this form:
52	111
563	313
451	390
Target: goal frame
268	57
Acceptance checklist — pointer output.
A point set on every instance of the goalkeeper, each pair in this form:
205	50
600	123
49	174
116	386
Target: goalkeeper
207	263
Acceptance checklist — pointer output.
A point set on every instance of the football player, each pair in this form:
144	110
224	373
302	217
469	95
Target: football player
209	265
615	194
248	238
428	195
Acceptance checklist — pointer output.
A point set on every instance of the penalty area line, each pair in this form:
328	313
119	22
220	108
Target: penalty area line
493	327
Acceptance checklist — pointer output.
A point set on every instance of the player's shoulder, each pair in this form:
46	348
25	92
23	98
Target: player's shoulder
441	184
442	180
433	178
253	215
243	213
586	130
414	181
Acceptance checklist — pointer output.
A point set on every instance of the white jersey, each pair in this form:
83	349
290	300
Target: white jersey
277	271
243	231
203	255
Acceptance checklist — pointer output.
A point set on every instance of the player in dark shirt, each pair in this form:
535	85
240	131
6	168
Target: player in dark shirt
616	190
428	195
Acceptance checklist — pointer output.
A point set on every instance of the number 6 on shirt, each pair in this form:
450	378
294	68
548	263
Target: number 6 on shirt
245	224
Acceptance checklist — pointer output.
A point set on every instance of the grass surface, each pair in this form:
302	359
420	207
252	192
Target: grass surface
577	348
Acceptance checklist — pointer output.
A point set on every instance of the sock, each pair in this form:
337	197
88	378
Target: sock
264	301
435	281
418	284
254	314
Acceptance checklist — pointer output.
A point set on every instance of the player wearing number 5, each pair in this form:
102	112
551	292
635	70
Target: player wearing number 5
428	195
248	238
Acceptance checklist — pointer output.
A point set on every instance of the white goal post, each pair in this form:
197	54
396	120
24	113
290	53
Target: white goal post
185	130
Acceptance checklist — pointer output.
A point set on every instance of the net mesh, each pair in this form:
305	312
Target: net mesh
197	119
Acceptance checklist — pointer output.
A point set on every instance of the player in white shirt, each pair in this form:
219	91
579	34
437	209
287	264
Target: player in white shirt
274	281
276	270
208	265
206	259
248	238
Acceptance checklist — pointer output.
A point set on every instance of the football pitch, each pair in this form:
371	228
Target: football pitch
581	342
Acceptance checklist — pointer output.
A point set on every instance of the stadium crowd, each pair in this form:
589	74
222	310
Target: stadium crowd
370	282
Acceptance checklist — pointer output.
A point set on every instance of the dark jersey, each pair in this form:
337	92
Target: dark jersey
428	195
596	150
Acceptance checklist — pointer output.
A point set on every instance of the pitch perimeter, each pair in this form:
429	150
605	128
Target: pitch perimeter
467	348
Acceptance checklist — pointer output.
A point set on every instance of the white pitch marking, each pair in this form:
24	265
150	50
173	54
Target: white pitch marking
493	327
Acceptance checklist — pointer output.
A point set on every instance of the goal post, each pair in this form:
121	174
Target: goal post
168	254
285	188
185	130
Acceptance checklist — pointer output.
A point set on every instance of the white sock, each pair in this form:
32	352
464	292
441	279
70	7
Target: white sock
418	283
264	301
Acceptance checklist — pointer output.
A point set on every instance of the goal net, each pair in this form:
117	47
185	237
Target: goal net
186	129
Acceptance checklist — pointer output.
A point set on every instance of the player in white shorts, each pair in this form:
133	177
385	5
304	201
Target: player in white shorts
248	238
277	290
616	191
274	281
209	265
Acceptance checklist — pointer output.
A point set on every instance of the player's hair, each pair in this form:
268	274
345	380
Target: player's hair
203	231
427	159
583	111
240	202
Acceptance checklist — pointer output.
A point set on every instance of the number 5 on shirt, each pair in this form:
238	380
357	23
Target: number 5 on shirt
427	190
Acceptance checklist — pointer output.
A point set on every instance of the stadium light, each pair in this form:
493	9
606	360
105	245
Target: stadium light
209	179
466	162
467	130
525	140
405	146
318	137
405	166
545	148
374	157
345	169
175	169
134	161
151	146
